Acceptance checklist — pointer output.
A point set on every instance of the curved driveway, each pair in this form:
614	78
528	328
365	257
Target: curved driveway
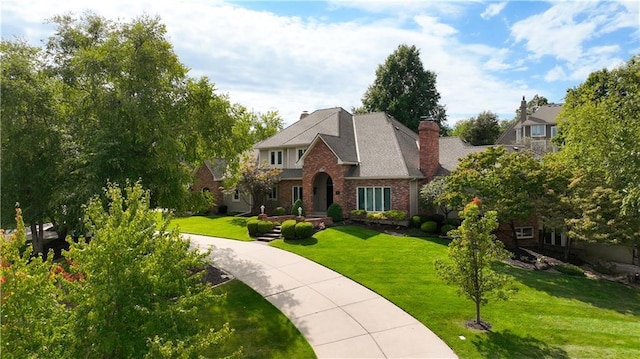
339	317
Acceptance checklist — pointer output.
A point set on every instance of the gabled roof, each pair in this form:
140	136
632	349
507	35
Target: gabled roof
545	114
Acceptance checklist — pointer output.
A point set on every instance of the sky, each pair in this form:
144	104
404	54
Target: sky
294	56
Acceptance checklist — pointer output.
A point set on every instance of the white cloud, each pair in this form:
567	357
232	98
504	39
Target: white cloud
555	74
493	10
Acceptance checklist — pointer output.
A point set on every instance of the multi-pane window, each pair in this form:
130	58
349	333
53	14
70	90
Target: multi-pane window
296	193
554	131
374	199
538	130
273	195
524	232
236	196
275	158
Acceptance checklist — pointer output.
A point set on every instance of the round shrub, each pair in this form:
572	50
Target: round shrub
446	228
335	212
265	226
304	230
279	211
252	226
569	269
296	205
429	227
416	221
288	229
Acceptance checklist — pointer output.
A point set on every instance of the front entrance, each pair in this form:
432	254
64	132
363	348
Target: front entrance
322	192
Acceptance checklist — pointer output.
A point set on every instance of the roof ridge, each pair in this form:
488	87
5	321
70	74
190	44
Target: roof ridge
317	123
395	129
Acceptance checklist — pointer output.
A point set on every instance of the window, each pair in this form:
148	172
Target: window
555	238
273	195
236	196
300	152
275	158
374	199
524	232
538	130
554	131
518	135
296	194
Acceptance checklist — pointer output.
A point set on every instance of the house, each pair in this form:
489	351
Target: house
359	161
534	131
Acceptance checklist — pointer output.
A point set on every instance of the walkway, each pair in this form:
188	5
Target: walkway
339	317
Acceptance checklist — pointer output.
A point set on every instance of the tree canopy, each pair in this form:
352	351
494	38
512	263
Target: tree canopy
483	129
405	90
109	100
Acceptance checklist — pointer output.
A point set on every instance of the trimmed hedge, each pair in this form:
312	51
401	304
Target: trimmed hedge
429	227
446	228
335	212
252	227
358	213
569	269
288	229
304	230
279	211
395	215
296	205
265	226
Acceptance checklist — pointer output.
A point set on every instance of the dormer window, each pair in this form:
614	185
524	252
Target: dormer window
538	130
275	158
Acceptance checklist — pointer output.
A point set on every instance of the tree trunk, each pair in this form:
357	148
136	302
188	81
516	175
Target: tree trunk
567	248
478	310
514	236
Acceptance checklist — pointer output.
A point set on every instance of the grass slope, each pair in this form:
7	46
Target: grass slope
552	315
215	226
259	328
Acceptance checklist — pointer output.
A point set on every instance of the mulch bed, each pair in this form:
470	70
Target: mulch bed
215	276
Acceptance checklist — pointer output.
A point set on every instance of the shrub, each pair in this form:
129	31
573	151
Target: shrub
416	221
376	216
569	269
429	227
437	217
358	213
288	229
453	222
252	226
279	211
446	228
335	212
296	205
222	209
395	215
265	226
304	230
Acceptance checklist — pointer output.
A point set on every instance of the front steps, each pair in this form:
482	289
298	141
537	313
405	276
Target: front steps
271	236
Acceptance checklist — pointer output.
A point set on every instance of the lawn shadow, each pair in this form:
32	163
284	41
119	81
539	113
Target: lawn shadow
357	231
301	242
239	221
596	292
506	344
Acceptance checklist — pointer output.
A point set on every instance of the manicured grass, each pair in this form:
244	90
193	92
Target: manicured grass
216	226
259	328
552	315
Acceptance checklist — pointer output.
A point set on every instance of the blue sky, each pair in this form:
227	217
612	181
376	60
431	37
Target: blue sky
306	55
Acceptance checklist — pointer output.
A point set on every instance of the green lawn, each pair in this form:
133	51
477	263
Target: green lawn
259	328
552	315
216	226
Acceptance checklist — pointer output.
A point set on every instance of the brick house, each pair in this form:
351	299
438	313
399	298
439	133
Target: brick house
362	161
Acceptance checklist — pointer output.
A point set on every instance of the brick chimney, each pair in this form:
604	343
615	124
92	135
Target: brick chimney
304	114
429	140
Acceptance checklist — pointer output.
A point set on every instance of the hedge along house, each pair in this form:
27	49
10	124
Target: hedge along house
363	161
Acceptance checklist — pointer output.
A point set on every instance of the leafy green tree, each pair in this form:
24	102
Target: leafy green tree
434	195
142	288
34	320
533	105
404	89
481	130
460	127
31	138
258	126
600	125
508	183
472	252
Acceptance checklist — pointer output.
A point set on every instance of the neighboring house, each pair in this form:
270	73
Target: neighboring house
209	179
534	131
363	161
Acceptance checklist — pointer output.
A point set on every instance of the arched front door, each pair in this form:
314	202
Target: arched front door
322	192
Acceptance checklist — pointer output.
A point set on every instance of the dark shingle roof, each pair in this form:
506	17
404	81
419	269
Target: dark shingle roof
452	149
302	132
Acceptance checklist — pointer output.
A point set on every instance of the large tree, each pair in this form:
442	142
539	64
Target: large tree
508	183
483	129
600	126
404	89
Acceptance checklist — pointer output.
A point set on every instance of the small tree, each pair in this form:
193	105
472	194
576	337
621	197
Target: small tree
473	251
256	180
434	195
